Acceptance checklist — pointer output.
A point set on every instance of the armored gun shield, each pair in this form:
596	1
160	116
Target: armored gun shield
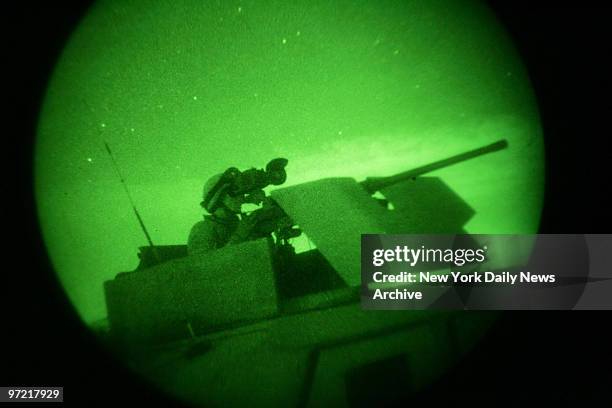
334	212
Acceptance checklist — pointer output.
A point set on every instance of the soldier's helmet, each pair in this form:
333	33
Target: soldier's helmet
214	190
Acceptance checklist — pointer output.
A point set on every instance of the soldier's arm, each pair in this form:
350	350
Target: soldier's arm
245	228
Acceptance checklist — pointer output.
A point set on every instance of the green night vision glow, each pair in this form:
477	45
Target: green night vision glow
183	90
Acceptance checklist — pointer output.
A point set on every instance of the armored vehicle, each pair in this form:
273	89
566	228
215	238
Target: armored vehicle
259	323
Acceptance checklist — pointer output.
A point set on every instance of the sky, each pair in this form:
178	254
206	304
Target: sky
181	90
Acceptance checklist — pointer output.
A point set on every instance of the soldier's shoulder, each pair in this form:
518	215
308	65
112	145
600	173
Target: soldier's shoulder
201	237
206	223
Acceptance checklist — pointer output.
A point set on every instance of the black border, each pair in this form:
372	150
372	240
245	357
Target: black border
528	357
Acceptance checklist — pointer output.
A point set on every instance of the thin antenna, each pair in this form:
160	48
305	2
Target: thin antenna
127	192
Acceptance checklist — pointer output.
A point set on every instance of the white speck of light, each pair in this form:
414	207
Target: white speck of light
239	9
340	132
298	33
89	159
132	130
103	125
195	98
284	41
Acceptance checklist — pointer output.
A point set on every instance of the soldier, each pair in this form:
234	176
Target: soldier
222	225
224	195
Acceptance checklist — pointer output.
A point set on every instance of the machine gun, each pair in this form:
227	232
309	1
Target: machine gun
273	219
374	184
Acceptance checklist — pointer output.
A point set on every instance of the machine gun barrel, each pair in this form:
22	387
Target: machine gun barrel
374	184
